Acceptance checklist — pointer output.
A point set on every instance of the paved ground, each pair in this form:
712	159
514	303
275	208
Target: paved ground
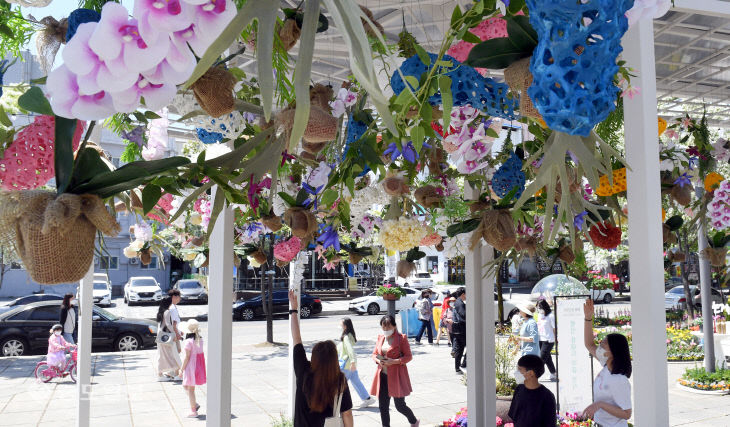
125	393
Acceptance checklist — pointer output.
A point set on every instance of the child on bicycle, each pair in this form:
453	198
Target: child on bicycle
57	347
193	367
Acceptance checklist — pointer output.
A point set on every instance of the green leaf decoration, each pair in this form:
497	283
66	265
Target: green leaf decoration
455	15
417	136
88	165
303	72
35	101
128	177
63	151
463	227
469	37
151	115
288	199
329	197
521	33
447	98
495	54
150	196
4	119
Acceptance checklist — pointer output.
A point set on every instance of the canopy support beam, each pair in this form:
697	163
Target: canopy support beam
83	382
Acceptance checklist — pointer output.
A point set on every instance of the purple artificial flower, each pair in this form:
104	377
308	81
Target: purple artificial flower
329	238
682	180
579	220
254	189
136	135
409	151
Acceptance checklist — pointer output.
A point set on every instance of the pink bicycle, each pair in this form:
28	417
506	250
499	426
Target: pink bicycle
46	373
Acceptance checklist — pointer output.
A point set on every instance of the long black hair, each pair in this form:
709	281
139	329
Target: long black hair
164	306
67	301
543	304
619	346
349	329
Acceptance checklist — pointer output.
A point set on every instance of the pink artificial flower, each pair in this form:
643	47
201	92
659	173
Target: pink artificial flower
671	134
211	18
287	250
165	16
116	35
67	101
95	74
156	96
630	92
686	122
177	66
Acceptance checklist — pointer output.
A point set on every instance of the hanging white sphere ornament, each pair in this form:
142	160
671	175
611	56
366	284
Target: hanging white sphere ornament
31	3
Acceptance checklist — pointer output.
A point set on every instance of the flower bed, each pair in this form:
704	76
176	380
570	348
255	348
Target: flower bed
682	345
698	378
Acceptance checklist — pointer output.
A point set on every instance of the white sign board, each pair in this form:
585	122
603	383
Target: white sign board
574	364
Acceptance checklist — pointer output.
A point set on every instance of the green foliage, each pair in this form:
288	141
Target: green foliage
131	153
501	52
406	44
702	376
15	31
282	421
392	290
94	4
611	130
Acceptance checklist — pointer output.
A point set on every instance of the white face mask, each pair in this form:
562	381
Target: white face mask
542	312
57	333
388	332
601	355
519	377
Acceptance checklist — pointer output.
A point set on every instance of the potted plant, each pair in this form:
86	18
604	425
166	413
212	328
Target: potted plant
390	292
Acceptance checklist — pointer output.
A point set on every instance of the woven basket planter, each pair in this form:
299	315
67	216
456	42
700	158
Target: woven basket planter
390	297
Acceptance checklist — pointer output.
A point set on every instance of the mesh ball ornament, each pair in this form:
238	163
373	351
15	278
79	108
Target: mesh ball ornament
605	235
208	137
468	87
78	17
509	176
28	162
574	62
355	130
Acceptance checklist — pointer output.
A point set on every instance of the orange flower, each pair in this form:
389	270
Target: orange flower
712	180
619	183
662	125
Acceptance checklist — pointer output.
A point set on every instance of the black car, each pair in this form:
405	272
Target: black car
29	299
191	291
26	328
250	308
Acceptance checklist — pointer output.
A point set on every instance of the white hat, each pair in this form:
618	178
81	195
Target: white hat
527	308
189	327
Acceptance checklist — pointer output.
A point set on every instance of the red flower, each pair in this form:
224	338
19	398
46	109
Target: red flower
605	235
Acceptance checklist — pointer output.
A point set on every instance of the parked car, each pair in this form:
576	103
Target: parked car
142	289
373	304
102	293
507	304
25	328
191	290
29	299
675	297
102	277
251	308
421	281
604	295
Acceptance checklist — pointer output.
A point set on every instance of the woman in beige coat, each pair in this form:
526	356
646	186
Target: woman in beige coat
168	359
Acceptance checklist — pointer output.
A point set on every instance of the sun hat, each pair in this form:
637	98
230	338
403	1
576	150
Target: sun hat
189	327
527	308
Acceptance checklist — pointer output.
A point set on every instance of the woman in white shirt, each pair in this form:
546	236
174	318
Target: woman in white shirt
546	329
611	405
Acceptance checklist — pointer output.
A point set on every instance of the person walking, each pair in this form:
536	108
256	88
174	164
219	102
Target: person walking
611	405
458	329
546	331
68	318
533	405
192	370
322	391
529	339
425	314
168	360
446	320
174	295
348	361
392	352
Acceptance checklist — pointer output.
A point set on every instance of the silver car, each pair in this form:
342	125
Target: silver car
142	289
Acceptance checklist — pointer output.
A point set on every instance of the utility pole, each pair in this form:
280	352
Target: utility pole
269	304
705	291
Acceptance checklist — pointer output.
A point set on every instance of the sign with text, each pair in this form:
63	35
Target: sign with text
575	386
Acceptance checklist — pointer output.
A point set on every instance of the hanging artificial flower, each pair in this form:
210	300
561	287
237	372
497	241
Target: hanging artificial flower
718	210
401	234
329	238
344	99
288	249
605	235
157	140
712	181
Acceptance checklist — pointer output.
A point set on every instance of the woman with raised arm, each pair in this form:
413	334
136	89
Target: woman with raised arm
322	390
611	405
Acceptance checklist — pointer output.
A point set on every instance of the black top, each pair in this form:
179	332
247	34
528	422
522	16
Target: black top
303	416
459	316
533	408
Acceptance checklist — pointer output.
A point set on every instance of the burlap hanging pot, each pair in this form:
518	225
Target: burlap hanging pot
53	236
667	235
677	256
259	256
313	147
145	257
214	91
681	194
715	255
355	258
405	268
519	78
527	244
497	228
566	254
369	30
321	125
289	33
272	222
428	196
302	222
321	95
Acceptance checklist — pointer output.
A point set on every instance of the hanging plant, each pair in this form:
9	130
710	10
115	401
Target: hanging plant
497	228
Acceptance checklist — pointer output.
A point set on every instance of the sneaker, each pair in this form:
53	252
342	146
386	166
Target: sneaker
193	414
197	407
367	402
177	378
459	371
163	379
416	424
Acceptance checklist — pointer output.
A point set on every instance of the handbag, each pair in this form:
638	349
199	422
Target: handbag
336	419
163	336
343	363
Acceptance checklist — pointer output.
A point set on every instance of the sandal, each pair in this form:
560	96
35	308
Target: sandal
193	415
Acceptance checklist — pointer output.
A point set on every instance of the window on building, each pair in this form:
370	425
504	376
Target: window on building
108	262
16	266
152	265
116	162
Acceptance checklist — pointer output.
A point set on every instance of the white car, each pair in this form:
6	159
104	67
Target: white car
102	277
102	293
604	295
373	304
421	281
142	289
675	298
440	294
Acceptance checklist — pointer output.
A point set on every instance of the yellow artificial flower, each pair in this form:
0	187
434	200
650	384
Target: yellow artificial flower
712	181
662	125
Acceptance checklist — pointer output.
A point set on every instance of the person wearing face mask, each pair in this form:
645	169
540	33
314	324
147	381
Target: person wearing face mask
458	329
57	347
611	405
546	329
425	313
533	405
529	339
68	318
391	354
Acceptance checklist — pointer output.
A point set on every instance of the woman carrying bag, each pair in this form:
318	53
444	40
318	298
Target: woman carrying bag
391	354
323	397
168	359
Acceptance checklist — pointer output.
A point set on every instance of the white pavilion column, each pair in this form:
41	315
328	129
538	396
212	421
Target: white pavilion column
296	285
220	321
651	403
480	371
83	369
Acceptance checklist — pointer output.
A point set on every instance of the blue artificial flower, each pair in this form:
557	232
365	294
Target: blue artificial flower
682	180
329	238
252	228
579	220
409	151
136	135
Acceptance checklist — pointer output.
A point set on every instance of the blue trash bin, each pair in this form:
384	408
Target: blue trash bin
410	323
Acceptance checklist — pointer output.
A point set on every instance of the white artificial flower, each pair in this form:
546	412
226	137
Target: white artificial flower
338	107
130	252
143	232
320	175
196	219
216	150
